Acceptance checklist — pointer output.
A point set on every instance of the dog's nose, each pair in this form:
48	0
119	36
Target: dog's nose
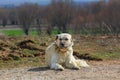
62	45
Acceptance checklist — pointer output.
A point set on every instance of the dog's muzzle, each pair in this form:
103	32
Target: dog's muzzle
61	50
62	45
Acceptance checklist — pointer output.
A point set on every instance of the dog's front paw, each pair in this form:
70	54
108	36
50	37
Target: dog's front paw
60	69
57	67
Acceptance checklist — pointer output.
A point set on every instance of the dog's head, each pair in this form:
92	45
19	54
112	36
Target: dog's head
64	40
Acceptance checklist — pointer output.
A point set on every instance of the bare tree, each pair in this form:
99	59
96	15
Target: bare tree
27	13
110	15
4	16
42	22
60	14
13	18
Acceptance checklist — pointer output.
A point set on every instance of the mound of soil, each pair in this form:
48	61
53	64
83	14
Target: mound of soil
34	46
28	44
10	49
86	56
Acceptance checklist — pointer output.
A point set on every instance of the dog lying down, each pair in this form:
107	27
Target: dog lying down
60	53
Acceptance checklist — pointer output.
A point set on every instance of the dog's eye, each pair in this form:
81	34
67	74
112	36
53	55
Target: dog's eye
66	39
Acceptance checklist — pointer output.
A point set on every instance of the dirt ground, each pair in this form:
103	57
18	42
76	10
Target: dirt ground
98	70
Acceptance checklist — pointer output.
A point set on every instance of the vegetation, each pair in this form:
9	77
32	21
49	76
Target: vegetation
29	51
33	32
95	28
17	32
64	15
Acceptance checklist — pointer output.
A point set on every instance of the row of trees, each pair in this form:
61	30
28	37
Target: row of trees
98	17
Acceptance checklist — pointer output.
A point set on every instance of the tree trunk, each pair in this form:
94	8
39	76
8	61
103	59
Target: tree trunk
4	23
26	31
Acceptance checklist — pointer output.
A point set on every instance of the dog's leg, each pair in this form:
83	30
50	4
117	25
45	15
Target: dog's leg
81	63
55	63
70	63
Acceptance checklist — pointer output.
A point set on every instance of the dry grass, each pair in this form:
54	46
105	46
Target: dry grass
29	51
104	47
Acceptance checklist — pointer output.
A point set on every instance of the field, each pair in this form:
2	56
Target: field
22	57
25	51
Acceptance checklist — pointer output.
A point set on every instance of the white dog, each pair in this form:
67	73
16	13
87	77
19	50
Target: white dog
60	53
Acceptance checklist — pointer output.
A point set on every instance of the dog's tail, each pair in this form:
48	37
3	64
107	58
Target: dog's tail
82	63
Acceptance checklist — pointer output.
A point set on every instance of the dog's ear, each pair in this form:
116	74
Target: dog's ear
57	37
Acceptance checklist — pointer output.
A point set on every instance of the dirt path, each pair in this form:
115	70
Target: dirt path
105	70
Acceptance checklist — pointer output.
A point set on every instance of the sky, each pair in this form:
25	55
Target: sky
42	2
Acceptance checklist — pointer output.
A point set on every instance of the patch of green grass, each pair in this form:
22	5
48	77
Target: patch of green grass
17	32
33	32
12	32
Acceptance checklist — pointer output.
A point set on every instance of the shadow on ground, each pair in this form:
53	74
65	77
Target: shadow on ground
39	69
